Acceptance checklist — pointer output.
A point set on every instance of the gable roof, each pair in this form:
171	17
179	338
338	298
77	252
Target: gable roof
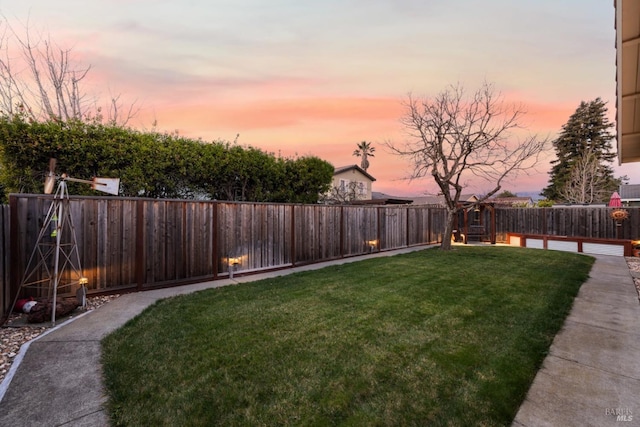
511	200
439	200
385	199
356	167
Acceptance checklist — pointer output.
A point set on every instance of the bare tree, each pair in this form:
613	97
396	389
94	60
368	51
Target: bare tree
344	194
41	80
587	182
453	138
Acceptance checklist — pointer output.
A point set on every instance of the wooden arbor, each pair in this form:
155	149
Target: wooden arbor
479	222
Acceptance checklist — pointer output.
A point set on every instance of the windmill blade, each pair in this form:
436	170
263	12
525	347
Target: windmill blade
107	185
50	180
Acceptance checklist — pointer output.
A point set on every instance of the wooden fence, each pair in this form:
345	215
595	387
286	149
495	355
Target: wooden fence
135	244
583	221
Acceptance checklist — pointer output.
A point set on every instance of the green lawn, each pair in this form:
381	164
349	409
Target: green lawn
426	338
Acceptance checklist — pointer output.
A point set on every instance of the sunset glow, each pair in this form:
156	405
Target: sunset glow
316	78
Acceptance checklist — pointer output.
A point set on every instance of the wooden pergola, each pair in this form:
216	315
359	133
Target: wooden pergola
474	225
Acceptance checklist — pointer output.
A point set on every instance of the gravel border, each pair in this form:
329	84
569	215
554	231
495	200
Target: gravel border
634	269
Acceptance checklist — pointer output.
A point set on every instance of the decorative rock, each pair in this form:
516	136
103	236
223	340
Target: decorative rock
41	312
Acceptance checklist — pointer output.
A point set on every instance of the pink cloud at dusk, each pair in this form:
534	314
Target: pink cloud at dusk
316	78
330	128
279	113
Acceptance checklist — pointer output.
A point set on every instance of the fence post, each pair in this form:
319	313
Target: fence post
14	236
293	235
10	254
140	258
493	224
406	212
214	240
429	233
341	231
379	230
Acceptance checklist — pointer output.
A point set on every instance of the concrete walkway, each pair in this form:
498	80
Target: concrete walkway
592	370
591	376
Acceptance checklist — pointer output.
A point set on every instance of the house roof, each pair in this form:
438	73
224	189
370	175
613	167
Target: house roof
356	167
439	200
629	191
511	200
385	199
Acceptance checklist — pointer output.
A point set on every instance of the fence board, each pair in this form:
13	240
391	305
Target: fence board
394	228
360	228
306	250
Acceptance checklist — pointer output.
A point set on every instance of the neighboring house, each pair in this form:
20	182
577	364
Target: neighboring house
439	200
520	202
350	183
378	198
630	194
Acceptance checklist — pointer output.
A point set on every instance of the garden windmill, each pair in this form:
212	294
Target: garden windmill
55	260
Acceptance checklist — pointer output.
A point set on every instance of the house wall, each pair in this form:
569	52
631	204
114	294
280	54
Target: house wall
353	175
630	194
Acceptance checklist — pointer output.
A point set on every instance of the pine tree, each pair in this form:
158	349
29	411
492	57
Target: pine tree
587	132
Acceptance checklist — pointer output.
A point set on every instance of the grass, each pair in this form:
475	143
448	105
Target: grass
426	338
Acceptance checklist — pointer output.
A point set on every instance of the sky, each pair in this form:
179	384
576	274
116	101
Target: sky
298	78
